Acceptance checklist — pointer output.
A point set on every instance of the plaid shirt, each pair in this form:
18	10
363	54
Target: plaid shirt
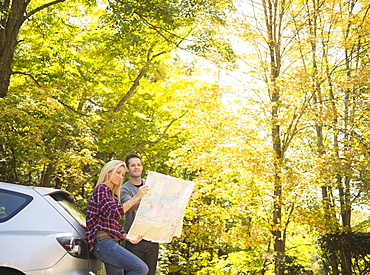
103	214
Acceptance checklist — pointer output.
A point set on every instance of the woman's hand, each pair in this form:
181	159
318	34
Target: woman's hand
137	240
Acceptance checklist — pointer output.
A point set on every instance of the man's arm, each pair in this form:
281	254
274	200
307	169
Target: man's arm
125	196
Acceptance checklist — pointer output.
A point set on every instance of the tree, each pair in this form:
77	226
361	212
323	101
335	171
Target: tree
288	100
98	78
13	15
292	77
340	114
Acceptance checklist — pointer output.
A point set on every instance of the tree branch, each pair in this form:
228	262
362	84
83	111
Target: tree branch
69	107
16	72
136	82
162	136
131	90
158	30
28	15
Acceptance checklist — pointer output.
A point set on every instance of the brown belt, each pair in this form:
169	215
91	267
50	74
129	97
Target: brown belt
106	236
102	237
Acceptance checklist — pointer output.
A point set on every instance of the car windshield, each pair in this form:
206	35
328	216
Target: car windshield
76	213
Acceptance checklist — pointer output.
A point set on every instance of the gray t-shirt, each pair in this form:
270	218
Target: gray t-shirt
128	190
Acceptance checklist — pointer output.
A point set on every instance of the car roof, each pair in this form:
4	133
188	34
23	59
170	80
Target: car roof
43	191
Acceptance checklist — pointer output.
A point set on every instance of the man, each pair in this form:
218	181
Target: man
145	250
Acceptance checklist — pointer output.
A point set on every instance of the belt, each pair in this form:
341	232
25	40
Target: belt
105	237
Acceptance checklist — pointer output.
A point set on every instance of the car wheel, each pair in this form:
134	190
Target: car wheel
8	271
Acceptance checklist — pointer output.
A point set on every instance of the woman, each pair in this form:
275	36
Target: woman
103	222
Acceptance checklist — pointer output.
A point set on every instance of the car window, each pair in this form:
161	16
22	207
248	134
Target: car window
76	213
12	203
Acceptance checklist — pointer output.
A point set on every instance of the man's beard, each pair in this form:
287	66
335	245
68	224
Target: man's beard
135	176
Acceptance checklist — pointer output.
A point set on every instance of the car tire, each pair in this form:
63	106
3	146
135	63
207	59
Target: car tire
8	271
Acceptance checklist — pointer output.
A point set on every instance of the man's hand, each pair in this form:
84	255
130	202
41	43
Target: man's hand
142	191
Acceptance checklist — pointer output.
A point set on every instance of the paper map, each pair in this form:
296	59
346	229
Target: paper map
161	211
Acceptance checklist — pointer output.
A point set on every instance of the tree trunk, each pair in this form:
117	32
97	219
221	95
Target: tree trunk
48	175
9	29
276	219
274	13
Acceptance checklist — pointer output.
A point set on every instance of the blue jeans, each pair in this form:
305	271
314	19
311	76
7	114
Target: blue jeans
116	259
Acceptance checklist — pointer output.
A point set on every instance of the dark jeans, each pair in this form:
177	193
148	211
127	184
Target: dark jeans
147	251
116	259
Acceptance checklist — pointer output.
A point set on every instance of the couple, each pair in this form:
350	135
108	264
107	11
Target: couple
109	202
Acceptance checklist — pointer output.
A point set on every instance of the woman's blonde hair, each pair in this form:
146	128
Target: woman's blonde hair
104	176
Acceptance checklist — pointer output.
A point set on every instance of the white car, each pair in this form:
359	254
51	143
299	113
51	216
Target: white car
42	232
